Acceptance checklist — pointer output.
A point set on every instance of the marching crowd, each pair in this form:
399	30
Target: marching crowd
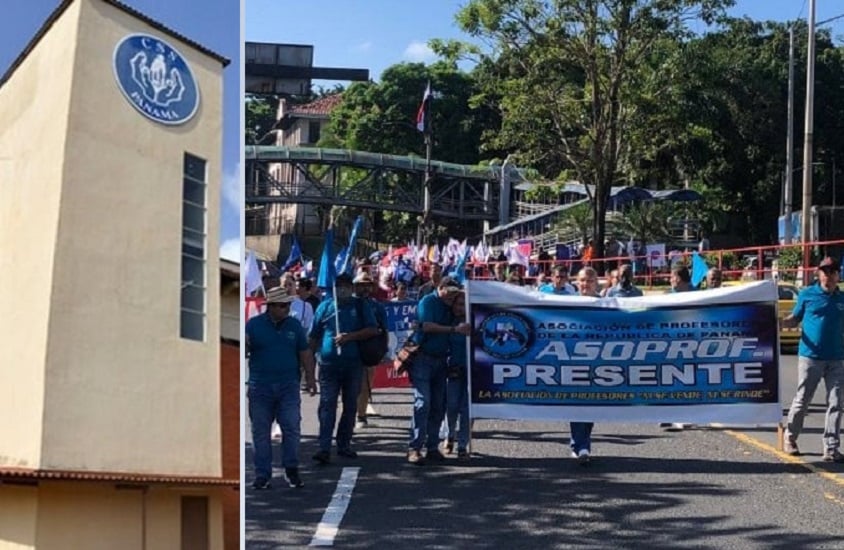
302	339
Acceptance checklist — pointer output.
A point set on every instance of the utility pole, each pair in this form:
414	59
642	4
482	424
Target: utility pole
808	146
789	141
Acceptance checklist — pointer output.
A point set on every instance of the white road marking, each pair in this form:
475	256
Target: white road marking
330	523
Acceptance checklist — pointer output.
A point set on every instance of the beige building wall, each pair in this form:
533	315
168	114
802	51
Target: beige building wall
123	390
18	516
32	148
61	516
92	366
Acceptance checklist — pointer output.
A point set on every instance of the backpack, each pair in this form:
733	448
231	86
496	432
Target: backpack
372	350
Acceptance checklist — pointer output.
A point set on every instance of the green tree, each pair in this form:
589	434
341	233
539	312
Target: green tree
570	75
575	220
260	117
646	222
380	117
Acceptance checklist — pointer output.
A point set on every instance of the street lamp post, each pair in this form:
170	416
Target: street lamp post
806	222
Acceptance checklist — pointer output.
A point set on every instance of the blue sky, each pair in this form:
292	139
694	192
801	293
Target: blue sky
213	23
374	34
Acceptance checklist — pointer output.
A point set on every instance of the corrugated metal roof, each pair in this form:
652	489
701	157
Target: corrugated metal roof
27	474
53	17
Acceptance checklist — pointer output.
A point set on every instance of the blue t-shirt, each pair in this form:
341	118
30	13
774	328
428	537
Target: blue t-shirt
274	349
324	330
621	292
822	314
549	288
457	351
432	309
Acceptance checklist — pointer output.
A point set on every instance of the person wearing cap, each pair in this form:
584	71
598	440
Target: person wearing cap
433	282
278	353
820	307
436	322
340	366
364	285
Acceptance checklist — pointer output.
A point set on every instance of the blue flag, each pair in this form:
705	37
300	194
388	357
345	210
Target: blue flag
295	255
340	261
327	271
459	272
348	266
699	269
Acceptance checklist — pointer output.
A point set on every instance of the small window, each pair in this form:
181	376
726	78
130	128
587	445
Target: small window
314	129
194	261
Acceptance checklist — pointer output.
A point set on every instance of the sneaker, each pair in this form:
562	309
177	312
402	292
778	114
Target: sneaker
449	446
261	483
832	455
789	447
673	426
323	457
293	479
414	456
347	453
435	455
462	454
582	456
361	423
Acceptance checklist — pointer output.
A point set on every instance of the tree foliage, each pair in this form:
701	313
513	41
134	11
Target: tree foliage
573	74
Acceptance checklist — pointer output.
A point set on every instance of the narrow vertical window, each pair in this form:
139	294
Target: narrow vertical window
195	523
194	233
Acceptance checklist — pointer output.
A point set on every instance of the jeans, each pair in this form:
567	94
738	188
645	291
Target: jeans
282	403
581	436
810	372
333	381
457	405
428	377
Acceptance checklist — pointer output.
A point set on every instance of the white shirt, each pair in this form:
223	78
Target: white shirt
303	312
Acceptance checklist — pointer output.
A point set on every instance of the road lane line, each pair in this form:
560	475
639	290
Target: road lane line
750	440
330	523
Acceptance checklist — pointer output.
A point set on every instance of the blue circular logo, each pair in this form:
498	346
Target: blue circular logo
155	79
506	335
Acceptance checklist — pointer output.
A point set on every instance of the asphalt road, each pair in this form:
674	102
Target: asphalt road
706	487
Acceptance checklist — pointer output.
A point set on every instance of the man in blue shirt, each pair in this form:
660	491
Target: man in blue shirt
559	282
820	355
338	326
278	352
428	372
625	287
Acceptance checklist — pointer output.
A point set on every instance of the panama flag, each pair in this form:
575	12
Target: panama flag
423	112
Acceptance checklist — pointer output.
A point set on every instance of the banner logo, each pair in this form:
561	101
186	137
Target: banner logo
156	79
506	335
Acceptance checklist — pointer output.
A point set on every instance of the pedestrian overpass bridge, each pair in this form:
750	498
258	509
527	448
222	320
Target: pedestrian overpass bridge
340	177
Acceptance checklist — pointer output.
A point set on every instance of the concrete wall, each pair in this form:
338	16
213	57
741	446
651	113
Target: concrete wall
32	146
18	516
123	390
99	516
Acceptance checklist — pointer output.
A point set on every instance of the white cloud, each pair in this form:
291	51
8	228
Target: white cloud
364	47
419	52
230	250
231	188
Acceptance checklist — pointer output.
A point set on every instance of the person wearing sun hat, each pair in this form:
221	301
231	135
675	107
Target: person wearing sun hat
278	353
820	307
